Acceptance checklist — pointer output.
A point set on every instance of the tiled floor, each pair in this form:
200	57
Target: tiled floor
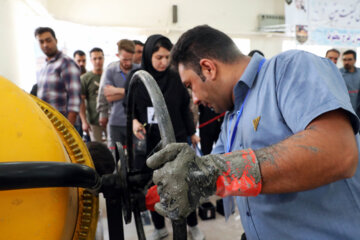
214	229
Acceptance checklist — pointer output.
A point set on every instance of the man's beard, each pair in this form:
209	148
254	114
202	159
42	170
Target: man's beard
51	54
126	67
347	66
82	69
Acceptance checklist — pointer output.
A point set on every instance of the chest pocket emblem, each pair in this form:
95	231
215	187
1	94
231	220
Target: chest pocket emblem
256	122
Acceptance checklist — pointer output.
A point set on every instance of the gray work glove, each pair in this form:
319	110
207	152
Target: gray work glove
184	178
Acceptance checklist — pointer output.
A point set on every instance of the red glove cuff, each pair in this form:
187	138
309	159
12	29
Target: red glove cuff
151	198
228	184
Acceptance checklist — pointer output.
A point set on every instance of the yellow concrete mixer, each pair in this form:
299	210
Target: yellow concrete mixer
31	131
48	184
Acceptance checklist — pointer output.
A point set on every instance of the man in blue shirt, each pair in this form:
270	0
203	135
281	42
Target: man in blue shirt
290	138
351	75
112	92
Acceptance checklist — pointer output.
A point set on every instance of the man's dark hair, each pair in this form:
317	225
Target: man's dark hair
102	158
41	30
79	52
332	50
137	42
96	49
203	42
350	52
252	52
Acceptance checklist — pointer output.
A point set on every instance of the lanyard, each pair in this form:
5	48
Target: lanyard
231	137
123	75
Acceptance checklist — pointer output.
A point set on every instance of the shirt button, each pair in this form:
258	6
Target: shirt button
248	214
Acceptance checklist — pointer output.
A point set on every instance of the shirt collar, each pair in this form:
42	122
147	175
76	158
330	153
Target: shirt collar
118	69
347	71
247	80
249	75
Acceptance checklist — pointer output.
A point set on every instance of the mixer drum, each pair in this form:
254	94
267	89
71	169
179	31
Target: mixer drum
32	130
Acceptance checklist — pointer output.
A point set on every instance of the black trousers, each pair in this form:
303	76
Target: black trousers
208	138
159	221
118	134
210	132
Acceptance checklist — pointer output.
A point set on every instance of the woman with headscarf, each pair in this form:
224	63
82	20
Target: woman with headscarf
155	60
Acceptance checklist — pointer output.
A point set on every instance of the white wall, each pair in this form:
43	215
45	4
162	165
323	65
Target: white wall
238	18
83	24
92	23
232	16
18	20
9	59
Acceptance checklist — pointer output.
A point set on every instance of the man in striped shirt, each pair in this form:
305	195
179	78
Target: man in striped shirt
59	79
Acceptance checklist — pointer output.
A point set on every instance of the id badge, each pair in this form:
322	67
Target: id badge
151	119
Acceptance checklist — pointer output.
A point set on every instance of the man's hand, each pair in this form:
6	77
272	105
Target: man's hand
183	178
86	126
139	130
111	90
72	117
103	122
195	139
112	93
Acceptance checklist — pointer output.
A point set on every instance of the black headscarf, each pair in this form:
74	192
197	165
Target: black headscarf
175	95
146	64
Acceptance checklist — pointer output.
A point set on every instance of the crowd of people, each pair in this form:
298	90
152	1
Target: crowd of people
289	129
93	101
350	73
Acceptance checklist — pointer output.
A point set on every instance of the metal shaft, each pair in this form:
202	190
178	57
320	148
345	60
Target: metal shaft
165	126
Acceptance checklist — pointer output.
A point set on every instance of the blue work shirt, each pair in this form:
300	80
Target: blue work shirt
291	90
352	81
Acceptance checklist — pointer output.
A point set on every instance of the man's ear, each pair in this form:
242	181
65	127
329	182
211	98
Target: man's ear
208	68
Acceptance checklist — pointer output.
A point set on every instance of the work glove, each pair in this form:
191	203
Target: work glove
183	178
152	197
